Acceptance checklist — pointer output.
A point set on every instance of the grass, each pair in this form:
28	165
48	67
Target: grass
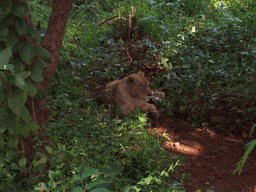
204	60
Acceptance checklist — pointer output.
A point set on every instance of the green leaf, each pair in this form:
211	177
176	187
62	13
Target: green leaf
2	86
2	45
39	167
40	64
19	65
20	9
13	140
36	74
77	189
100	190
74	179
3	76
25	114
49	149
20	27
90	172
127	188
24	74
51	174
11	38
6	22
95	183
12	124
158	181
146	181
26	53
52	184
24	129
22	162
16	101
32	32
17	80
33	126
30	87
17	47
5	6
41	52
5	56
43	160
7	67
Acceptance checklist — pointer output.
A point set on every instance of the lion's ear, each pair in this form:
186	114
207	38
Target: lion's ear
140	73
131	80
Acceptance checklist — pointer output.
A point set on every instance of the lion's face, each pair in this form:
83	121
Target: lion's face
138	86
131	93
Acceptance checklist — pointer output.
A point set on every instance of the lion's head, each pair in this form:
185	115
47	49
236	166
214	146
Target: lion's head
138	86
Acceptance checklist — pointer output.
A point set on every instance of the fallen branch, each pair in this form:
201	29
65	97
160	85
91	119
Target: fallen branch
107	20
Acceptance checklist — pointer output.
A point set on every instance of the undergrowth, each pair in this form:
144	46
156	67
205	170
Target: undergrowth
200	53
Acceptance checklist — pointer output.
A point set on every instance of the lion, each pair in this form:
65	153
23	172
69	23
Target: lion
130	93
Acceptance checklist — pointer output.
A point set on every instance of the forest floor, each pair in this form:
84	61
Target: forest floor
210	157
211	154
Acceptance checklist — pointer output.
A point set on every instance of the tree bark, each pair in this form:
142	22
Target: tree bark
52	42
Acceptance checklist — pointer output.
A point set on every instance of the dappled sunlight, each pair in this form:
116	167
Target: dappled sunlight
190	148
210	156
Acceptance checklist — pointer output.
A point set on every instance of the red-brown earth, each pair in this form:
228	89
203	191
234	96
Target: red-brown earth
210	157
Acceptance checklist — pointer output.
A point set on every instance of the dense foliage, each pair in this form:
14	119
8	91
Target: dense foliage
200	53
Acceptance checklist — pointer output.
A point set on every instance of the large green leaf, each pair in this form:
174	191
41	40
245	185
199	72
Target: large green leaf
129	188
17	47
11	38
90	172
20	27
77	189
40	64
147	180
2	86
32	32
3	76
25	114
7	67
24	129
16	101
22	162
100	190
24	74
20	9
30	87
36	74
41	52
5	6
5	56
19	65
6	21
13	140
12	122
2	45
33	126
95	183
18	79
26	53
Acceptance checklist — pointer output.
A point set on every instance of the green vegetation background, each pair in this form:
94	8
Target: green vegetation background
207	49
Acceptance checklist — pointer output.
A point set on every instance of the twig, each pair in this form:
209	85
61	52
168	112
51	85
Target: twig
94	12
107	20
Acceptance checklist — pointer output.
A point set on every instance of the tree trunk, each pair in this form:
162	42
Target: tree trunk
52	42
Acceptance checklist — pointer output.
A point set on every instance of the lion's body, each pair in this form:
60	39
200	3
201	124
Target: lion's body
130	93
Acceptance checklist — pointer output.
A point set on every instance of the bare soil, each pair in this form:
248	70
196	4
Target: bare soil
210	157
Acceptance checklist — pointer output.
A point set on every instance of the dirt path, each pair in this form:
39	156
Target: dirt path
210	157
